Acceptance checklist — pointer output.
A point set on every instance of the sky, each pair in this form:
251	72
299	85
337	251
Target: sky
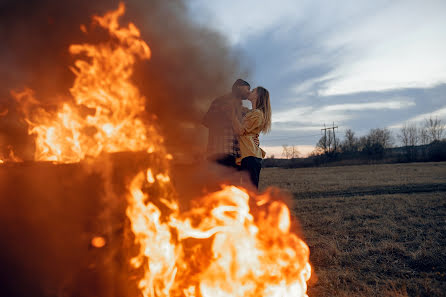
355	64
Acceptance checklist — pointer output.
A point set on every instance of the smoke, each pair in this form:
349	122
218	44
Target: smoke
190	65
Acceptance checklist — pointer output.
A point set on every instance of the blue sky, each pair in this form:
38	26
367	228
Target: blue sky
359	64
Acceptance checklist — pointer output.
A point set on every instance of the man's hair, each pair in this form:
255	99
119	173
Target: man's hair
239	83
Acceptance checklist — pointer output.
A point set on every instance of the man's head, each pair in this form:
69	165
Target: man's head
240	89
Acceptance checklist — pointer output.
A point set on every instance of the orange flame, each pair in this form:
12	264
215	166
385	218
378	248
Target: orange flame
103	87
234	252
11	156
231	243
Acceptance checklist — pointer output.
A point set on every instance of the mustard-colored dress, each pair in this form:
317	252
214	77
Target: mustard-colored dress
251	126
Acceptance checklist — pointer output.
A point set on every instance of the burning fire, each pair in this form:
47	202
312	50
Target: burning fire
229	243
218	248
11	156
109	112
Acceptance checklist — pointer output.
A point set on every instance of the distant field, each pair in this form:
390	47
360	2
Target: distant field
373	230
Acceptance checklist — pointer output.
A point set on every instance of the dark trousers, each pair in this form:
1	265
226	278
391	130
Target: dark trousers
252	166
226	160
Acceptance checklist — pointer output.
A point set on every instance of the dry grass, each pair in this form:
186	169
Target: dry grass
341	178
371	245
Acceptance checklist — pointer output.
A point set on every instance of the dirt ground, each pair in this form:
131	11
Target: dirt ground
376	230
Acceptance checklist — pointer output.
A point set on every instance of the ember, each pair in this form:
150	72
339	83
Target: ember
98	242
228	243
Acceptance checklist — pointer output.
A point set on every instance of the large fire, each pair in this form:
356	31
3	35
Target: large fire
228	243
108	114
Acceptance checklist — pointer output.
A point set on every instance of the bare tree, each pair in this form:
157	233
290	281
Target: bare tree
409	135
376	142
290	152
435	129
424	136
328	143
351	142
322	144
381	136
410	138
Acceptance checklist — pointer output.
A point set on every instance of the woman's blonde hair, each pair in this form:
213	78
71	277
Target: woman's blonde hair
264	105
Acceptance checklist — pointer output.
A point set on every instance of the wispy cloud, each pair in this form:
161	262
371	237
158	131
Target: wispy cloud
397	104
400	46
337	112
421	118
310	116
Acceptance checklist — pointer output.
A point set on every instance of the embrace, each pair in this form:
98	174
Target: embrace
234	129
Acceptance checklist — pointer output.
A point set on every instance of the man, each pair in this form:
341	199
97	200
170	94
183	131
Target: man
223	146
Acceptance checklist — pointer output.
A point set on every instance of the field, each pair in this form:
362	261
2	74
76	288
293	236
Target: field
373	230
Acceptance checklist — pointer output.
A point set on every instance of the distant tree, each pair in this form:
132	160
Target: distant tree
328	143
409	137
423	135
376	142
290	152
434	128
322	144
350	143
362	143
381	136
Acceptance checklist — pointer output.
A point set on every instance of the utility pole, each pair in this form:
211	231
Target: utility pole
334	135
325	138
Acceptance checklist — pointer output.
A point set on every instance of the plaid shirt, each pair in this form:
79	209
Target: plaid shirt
222	140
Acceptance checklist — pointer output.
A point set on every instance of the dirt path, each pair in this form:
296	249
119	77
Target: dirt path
375	190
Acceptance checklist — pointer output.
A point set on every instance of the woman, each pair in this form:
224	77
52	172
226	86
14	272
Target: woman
255	121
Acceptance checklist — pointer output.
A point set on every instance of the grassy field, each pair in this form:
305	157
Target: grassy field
376	230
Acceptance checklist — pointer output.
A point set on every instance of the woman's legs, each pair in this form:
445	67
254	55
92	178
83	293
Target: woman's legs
252	165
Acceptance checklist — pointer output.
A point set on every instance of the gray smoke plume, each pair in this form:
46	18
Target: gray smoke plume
48	212
190	65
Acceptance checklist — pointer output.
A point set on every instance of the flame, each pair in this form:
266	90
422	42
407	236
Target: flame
11	156
229	243
103	87
219	248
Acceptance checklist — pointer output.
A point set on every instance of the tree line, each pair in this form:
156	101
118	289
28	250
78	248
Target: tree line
412	142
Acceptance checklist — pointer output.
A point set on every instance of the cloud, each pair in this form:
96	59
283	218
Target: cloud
402	45
308	115
380	45
397	104
239	18
421	118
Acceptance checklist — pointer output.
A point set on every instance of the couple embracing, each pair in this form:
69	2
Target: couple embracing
234	129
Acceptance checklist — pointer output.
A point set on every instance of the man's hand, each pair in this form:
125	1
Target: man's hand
256	140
